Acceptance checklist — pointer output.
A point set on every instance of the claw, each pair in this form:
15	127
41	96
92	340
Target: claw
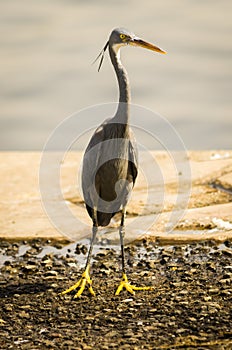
129	287
81	284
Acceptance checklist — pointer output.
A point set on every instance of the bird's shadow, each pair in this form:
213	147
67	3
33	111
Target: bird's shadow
27	288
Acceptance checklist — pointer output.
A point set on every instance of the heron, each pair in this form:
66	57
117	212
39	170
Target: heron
110	163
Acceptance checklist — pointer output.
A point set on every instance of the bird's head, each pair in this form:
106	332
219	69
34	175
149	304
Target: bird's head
122	37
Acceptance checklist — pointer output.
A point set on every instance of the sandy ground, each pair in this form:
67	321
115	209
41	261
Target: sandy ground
192	204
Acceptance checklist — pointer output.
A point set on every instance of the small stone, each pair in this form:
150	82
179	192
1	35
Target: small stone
213	290
29	268
152	263
84	250
180	330
225	281
183	292
111	334
51	273
24	314
207	298
193	270
8	307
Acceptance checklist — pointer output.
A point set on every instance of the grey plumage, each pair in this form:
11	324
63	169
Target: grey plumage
110	161
110	164
109	170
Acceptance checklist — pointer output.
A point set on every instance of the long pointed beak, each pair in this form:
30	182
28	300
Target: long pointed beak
146	45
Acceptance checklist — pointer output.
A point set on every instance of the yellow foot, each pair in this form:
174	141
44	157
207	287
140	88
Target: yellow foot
85	279
129	287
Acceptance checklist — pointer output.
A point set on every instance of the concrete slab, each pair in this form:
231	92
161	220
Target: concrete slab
23	215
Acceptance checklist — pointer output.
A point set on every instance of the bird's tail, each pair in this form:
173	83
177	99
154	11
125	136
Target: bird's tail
103	219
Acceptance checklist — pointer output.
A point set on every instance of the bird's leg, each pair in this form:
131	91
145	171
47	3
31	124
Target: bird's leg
122	235
85	278
124	282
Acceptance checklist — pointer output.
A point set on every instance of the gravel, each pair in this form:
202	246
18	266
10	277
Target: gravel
189	308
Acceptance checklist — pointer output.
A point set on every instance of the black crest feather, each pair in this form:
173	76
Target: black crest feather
101	54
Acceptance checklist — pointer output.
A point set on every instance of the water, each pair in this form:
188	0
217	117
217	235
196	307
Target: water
105	244
46	71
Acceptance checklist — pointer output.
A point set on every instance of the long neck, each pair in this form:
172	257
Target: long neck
122	114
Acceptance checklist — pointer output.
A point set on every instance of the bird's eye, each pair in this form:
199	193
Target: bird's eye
122	36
